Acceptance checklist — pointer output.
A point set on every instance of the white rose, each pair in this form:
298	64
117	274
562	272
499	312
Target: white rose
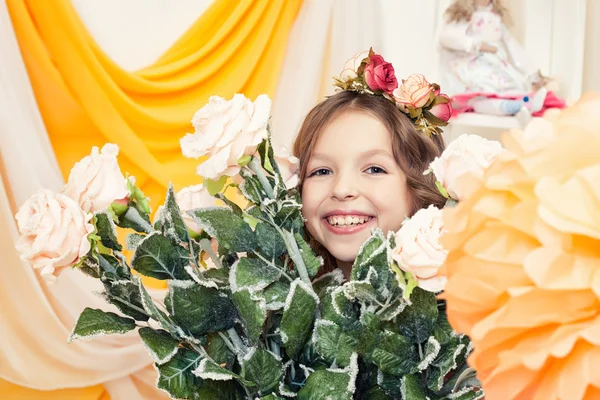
466	157
351	66
288	166
225	131
192	197
54	232
419	251
96	181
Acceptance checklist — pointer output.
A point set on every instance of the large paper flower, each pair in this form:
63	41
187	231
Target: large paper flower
524	262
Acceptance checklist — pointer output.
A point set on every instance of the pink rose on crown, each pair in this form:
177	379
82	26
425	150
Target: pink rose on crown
419	251
442	111
54	232
414	91
379	74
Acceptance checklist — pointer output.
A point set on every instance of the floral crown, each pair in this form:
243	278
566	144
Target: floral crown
368	72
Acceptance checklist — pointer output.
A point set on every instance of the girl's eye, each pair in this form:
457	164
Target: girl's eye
320	172
375	170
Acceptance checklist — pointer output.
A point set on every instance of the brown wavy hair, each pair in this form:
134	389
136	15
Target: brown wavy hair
412	149
462	10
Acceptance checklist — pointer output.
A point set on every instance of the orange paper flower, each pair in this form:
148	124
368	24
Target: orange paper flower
524	262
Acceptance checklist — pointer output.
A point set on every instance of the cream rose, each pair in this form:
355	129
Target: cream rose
415	90
419	251
288	166
225	131
96	181
54	232
351	66
465	158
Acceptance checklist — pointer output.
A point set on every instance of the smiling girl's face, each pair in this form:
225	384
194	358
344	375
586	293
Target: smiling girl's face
353	185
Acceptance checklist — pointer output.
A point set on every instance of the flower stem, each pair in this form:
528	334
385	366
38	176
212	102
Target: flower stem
294	252
255	167
235	338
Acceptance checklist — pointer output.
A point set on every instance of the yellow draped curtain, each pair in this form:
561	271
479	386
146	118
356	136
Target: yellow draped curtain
235	46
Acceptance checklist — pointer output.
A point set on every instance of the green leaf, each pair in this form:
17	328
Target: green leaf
111	268
333	344
451	357
208	369
331	279
150	307
275	295
265	151
362	291
176	377
417	320
263	368
371	263
106	229
251	187
390	385
219	390
230	230
126	297
411	388
289	216
157	257
252	274
443	332
311	261
217	349
253	313
200	309
270	242
272	397
175	228
395	354
134	218
467	394
93	322
298	317
335	384
214	187
244	160
160	343
337	308
442	189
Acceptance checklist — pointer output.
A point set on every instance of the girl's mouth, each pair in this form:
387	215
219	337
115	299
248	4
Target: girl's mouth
346	224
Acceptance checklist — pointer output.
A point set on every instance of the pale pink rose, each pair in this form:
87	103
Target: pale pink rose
192	197
225	131
351	66
419	251
54	232
443	111
288	166
415	90
96	181
380	75
465	159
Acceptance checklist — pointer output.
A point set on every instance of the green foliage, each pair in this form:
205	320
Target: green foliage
267	324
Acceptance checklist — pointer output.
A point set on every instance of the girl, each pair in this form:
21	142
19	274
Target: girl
361	166
483	63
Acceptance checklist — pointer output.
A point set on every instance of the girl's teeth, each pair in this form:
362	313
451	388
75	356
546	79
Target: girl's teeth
348	220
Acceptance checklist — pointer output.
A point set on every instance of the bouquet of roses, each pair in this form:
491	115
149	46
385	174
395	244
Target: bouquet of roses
246	314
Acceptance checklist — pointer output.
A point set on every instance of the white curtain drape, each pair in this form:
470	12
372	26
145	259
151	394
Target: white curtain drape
48	313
